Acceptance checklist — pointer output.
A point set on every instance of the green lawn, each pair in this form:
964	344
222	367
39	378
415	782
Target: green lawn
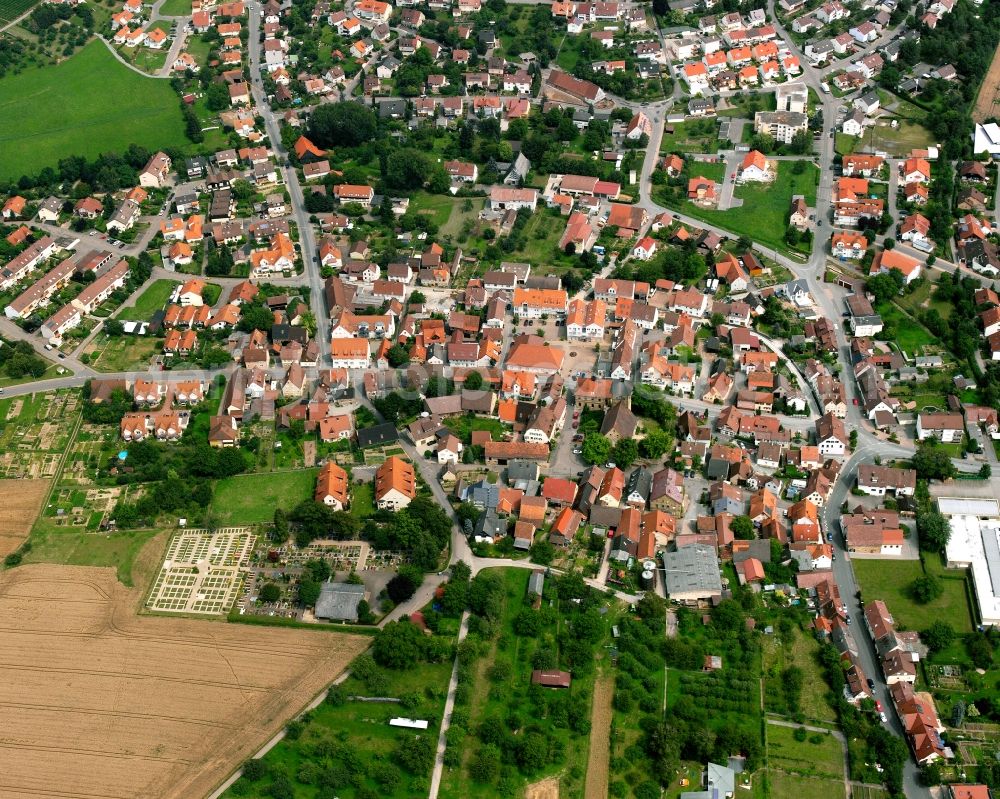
79	548
909	335
890	581
176	8
463	426
87	105
802	652
818	756
499	698
764	211
211	293
153	298
438	207
694	136
252	498
844	144
48	374
706	169
362	500
123	353
791	786
896	141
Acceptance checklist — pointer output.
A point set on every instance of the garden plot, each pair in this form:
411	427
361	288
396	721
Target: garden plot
36	433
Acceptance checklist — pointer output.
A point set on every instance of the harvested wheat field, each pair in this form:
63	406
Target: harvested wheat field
20	502
98	703
988	99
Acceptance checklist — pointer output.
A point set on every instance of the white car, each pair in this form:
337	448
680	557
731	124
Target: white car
883	718
577	451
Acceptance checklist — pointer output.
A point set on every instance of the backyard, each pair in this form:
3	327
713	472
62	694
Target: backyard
694	136
908	334
890	581
153	298
121	353
51	112
253	498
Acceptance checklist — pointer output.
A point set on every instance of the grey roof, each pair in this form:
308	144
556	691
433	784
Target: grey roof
640	482
759	548
536	583
721	779
692	570
377	435
339	601
489	525
482	494
521	470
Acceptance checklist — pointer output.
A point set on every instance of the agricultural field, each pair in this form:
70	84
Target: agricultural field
988	98
50	112
252	499
12	9
22	500
194	701
890	581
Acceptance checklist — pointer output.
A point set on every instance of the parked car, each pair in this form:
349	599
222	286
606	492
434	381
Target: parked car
577	451
871	684
883	718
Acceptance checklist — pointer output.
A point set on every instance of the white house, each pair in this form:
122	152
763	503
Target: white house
946	427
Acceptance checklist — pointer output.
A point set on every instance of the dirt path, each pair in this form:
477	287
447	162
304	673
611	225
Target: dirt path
600	739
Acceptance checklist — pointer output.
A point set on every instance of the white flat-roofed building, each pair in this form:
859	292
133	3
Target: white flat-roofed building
975	545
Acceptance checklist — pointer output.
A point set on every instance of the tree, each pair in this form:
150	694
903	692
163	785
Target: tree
625	453
742	527
596	449
938	636
655	445
341	124
397	356
217	97
474	381
885	285
980	650
485	765
934	531
398	645
926	589
404	584
932	461
309	591
416	754
270	593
